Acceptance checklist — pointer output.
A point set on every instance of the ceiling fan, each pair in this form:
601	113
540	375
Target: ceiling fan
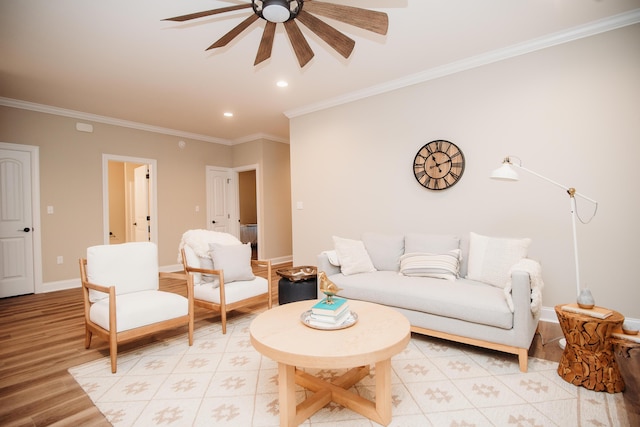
290	11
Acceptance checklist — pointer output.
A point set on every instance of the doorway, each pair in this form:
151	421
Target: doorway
248	207
233	207
130	212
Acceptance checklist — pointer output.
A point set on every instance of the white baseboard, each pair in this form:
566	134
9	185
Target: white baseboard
59	285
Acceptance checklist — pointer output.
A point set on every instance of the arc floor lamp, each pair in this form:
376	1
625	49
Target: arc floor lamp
507	172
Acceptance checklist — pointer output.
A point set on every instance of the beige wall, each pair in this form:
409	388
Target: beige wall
71	182
570	112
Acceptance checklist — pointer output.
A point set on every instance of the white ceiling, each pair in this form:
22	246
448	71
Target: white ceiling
117	59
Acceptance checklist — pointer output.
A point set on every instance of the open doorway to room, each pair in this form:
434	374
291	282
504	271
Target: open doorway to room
129	195
248	206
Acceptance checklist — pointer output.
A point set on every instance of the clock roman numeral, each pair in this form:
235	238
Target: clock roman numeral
456	165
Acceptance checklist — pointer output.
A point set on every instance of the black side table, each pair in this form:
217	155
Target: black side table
289	291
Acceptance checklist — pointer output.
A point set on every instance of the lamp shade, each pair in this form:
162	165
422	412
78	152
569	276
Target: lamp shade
276	10
505	172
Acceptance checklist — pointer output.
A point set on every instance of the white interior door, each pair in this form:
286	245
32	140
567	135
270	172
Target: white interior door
142	224
16	227
220	201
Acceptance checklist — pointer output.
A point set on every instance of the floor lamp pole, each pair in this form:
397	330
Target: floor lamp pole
572	193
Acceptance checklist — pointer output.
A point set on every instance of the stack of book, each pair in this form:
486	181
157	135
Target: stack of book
328	315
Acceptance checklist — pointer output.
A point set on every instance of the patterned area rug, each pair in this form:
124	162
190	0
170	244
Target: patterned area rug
222	381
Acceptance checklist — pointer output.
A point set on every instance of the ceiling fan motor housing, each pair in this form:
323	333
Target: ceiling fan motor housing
277	10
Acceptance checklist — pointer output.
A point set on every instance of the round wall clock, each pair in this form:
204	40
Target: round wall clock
438	165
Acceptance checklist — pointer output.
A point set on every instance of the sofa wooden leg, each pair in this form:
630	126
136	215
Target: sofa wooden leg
523	359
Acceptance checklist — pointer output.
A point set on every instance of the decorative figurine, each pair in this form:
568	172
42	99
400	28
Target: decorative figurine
327	287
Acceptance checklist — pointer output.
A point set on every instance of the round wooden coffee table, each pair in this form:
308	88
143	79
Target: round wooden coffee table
379	334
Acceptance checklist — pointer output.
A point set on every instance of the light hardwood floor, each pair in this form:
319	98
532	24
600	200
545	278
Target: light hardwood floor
42	335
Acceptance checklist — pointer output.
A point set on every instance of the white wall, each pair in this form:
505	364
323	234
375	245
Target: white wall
570	112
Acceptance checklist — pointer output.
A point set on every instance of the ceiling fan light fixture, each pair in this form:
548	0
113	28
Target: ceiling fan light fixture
277	10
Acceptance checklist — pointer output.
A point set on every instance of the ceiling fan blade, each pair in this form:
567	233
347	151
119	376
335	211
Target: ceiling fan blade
234	32
300	46
264	51
334	38
370	20
207	13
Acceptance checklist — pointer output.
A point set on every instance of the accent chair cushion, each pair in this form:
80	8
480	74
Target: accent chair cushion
234	260
130	267
139	309
353	256
233	292
491	258
441	266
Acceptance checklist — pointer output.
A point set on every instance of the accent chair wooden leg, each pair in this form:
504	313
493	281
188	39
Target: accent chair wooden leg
223	320
87	337
113	351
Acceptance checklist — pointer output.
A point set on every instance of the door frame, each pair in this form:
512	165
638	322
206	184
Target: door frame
153	193
34	152
255	167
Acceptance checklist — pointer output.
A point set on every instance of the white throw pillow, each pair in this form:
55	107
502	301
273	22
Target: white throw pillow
353	256
233	260
491	258
441	266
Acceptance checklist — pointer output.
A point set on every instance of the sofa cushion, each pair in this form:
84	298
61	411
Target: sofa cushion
491	258
465	299
430	243
384	250
441	266
353	256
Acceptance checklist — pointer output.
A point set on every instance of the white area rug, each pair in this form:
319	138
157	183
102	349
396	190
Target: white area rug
222	381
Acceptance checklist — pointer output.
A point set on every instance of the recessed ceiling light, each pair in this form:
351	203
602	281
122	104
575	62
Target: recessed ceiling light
228	114
282	83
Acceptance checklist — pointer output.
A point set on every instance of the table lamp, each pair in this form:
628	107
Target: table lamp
506	172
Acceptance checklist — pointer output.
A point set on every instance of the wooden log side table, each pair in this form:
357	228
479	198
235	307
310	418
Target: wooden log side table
588	358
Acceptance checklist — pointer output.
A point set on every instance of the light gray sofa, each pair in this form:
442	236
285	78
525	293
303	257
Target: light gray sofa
459	309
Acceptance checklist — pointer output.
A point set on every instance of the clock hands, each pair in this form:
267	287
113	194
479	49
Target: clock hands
437	165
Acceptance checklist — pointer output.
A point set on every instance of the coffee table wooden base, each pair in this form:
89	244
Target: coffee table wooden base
292	414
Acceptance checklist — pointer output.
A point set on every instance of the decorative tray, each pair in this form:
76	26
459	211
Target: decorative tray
350	321
297	274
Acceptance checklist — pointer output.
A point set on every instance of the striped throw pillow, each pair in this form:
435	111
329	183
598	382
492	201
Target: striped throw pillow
440	266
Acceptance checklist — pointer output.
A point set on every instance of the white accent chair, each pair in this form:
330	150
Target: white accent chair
219	269
122	300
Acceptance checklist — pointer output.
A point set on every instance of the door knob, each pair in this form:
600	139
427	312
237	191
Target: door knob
213	222
26	229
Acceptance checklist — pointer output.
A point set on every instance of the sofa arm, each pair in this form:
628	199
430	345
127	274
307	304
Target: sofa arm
326	266
524	321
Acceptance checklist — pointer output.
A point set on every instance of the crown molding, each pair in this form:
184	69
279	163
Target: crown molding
258	136
48	109
582	31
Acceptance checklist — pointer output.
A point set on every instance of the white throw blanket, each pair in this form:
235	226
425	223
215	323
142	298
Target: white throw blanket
199	240
535	274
